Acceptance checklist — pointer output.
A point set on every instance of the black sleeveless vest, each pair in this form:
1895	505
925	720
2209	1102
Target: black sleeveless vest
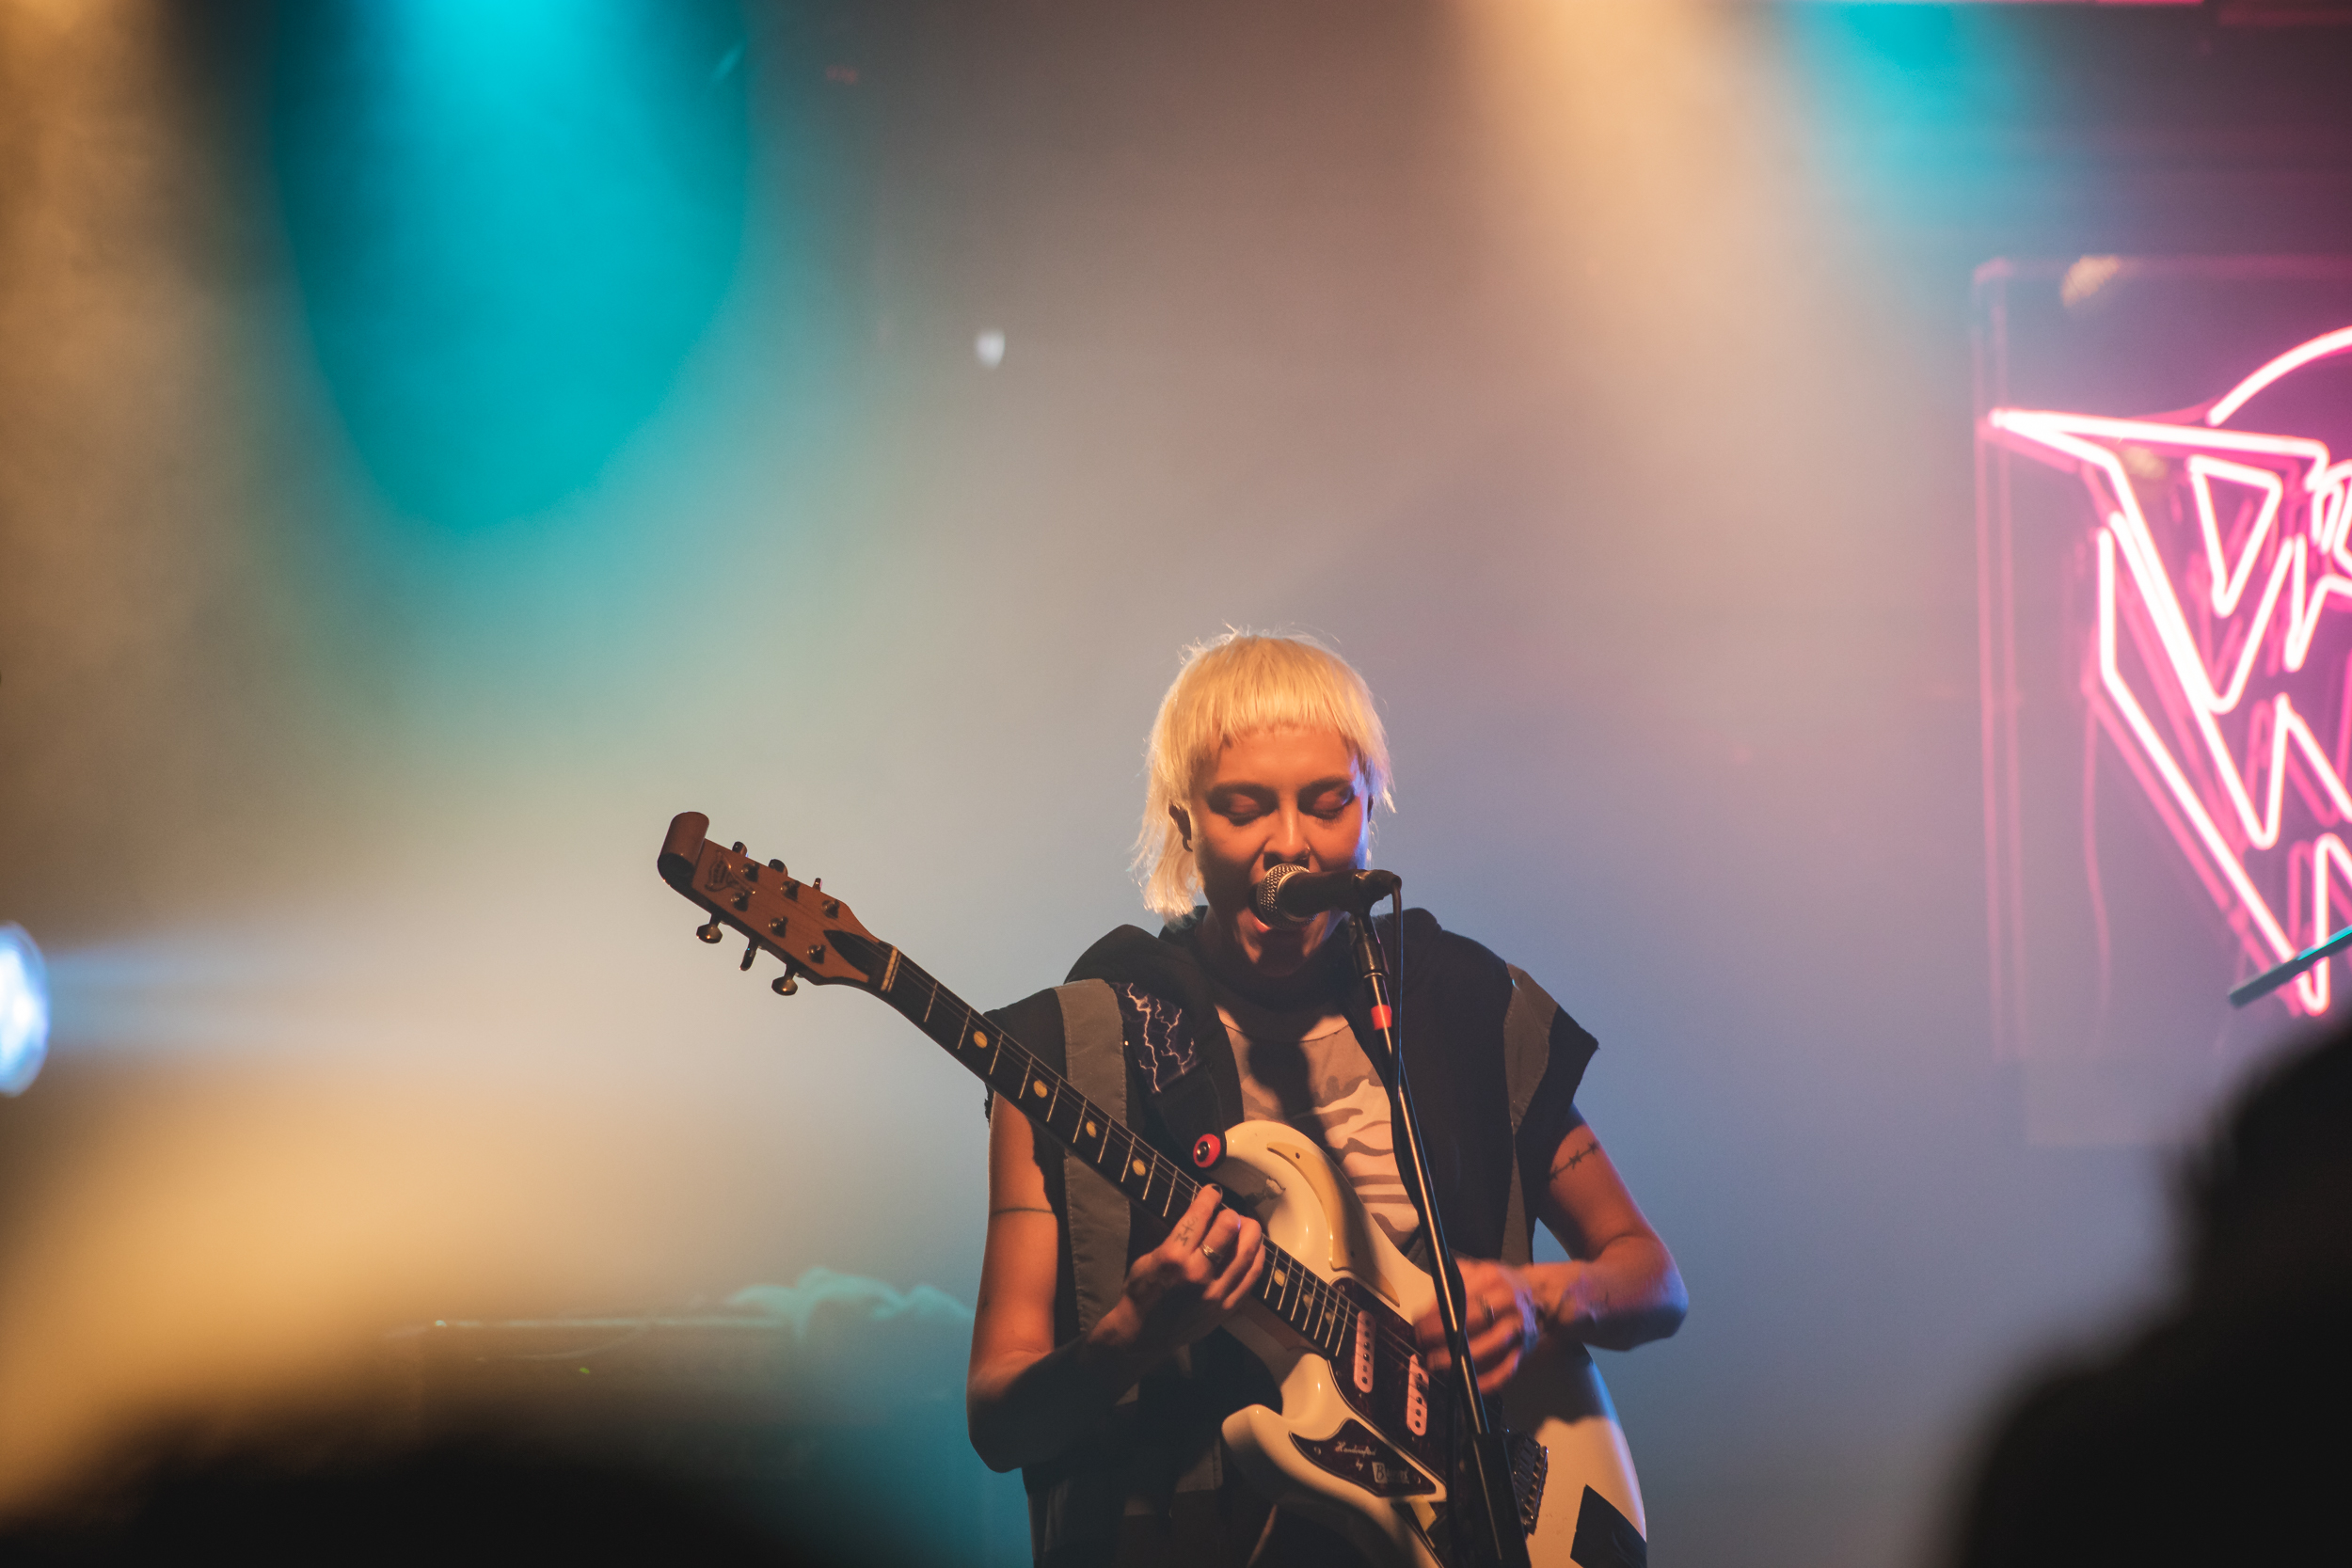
1494	1063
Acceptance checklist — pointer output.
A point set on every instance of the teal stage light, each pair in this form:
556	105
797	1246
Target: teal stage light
24	1009
512	220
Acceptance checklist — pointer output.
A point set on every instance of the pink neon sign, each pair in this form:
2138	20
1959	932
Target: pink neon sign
2221	553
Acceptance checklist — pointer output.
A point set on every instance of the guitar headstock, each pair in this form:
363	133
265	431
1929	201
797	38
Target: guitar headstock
810	929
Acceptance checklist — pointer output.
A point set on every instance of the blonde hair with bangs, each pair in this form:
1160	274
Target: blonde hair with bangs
1230	687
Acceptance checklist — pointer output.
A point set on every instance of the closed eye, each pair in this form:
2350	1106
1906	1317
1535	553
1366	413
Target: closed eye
1330	806
1241	805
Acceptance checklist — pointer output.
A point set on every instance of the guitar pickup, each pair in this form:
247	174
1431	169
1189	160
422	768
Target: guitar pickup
1363	1351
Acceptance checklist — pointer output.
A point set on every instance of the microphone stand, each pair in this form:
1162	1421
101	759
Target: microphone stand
1497	1537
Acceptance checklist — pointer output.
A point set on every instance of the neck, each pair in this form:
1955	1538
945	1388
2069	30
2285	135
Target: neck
1320	982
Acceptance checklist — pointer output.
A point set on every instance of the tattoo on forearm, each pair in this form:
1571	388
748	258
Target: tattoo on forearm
1018	1209
1578	1148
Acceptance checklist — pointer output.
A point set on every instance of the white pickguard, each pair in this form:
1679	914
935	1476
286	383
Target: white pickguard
1308	1208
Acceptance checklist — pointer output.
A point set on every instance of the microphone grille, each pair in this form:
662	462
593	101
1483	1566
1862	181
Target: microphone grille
1266	901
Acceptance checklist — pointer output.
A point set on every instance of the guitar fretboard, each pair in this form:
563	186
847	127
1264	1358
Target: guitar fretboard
1152	1181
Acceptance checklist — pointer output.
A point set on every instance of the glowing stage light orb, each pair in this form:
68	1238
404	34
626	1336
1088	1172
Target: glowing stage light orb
24	1009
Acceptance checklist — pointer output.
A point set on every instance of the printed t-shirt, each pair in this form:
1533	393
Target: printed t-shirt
1305	1068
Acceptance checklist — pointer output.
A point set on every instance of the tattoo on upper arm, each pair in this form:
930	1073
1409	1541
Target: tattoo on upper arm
1018	1209
1580	1146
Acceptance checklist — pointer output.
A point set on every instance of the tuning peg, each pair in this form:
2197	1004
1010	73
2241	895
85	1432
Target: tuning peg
751	951
711	932
783	984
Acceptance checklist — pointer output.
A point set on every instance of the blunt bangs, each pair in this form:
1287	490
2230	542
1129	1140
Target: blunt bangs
1237	685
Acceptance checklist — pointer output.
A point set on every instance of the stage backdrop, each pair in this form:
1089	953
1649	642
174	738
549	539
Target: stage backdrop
438	443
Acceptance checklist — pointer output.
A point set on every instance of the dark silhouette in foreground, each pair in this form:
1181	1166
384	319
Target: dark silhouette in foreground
2219	1433
300	1498
815	1423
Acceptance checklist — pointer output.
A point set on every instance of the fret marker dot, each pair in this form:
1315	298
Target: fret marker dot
1138	1167
1280	1279
1038	1089
1090	1129
979	1036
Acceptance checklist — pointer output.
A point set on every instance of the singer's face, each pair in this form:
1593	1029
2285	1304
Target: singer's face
1279	797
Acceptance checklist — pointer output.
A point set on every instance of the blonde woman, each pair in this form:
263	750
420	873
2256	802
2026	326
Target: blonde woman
1099	1366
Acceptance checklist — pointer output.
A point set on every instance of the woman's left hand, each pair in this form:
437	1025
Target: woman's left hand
1500	1315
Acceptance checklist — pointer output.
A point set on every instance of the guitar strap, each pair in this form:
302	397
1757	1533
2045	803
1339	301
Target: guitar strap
1177	1051
1099	1218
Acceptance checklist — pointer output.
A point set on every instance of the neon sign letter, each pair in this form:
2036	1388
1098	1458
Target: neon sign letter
2221	553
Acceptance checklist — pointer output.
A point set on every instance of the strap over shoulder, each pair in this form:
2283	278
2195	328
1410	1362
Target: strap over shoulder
1175	1042
1098	1227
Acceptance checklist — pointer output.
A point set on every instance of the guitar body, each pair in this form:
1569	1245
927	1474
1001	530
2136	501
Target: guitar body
1298	1456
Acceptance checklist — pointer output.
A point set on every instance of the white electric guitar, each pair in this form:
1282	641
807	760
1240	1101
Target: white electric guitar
1364	1441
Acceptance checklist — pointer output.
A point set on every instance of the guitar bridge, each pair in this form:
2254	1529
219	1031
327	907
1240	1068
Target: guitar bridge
1531	1464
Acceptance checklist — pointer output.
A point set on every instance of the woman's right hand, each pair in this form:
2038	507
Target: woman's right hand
1187	1284
1029	1398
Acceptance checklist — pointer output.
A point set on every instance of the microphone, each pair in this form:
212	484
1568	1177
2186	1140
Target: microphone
1292	896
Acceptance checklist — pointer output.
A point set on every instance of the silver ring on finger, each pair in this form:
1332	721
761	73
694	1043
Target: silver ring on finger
1216	1260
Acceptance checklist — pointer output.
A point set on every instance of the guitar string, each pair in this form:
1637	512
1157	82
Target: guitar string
1316	1303
1321	1300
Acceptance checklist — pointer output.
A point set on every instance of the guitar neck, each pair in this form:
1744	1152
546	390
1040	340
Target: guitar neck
1153	1182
